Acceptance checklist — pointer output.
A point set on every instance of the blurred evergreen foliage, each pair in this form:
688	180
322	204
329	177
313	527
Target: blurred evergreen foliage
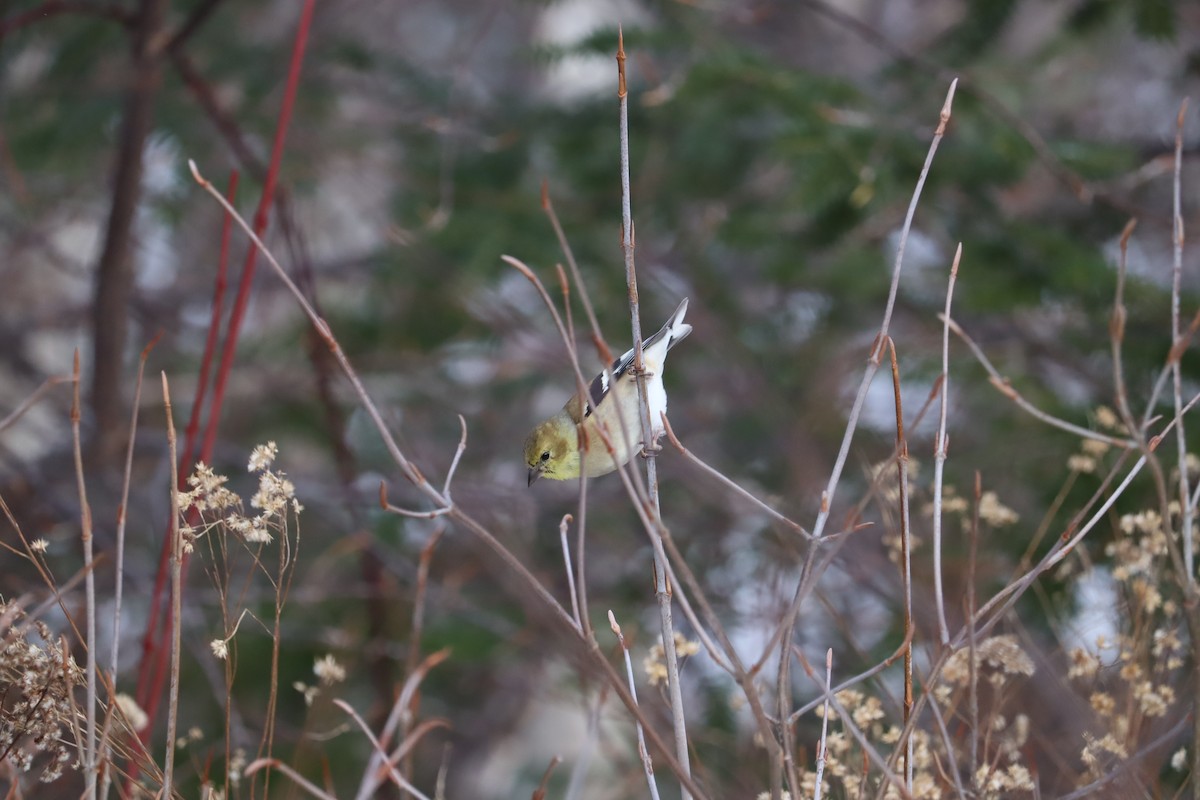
767	185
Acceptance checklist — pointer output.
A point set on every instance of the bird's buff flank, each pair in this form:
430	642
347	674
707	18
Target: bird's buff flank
553	448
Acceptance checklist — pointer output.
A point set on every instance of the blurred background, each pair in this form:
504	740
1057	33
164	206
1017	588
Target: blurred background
774	150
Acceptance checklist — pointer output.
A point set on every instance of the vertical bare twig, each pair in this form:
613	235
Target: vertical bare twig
176	598
566	548
824	726
584	614
647	763
91	766
579	601
288	554
902	469
784	632
540	792
587	749
940	447
415	634
1116	332
870	752
1177	239
122	514
948	744
597	339
662	589
972	676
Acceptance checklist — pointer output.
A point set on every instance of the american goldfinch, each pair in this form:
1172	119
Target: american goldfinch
554	447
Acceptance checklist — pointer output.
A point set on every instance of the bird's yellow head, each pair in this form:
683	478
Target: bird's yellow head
552	449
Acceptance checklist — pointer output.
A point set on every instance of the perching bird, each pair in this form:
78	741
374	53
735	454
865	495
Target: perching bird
553	447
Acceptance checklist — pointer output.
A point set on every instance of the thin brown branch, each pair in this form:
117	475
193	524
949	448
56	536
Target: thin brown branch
729	483
196	19
540	792
222	120
55	8
273	763
1002	385
30	401
1116	331
380	755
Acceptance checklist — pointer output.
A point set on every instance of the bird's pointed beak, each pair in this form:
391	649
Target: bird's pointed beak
534	474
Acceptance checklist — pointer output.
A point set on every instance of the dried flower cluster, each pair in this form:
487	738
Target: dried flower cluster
39	676
329	672
999	660
219	506
1136	684
844	776
655	663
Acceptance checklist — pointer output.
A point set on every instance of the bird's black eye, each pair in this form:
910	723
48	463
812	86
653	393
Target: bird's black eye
546	456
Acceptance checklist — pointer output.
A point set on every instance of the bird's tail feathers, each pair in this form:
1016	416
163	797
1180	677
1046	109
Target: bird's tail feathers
675	330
